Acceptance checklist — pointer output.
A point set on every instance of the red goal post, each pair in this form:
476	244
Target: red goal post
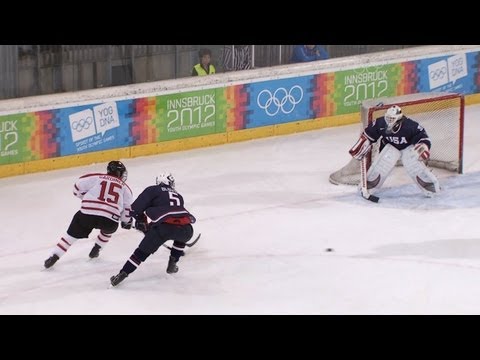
441	114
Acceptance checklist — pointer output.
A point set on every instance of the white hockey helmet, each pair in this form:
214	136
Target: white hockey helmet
393	115
166	179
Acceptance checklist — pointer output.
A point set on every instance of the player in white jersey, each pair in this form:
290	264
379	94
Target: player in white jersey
106	201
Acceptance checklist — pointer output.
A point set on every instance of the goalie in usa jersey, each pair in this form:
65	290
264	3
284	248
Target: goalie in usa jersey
400	138
106	201
169	221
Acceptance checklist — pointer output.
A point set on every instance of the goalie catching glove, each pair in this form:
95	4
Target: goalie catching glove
423	151
361	148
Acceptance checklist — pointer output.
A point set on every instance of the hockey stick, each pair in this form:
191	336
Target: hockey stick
363	176
186	244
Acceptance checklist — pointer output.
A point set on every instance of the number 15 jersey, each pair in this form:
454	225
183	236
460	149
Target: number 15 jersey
104	195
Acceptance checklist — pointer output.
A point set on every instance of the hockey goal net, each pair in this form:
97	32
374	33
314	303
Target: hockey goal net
441	114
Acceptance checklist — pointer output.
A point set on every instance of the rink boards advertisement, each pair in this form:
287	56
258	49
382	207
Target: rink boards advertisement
110	125
126	123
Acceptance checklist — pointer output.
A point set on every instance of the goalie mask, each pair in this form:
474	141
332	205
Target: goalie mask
393	116
166	179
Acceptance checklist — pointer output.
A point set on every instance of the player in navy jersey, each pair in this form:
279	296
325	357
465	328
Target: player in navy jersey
400	138
106	200
164	206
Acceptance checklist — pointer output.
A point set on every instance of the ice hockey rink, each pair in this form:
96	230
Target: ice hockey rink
267	213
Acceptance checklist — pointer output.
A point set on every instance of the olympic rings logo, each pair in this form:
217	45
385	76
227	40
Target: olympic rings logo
438	73
82	124
280	100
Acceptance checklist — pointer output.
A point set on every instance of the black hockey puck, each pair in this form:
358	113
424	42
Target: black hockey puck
328	249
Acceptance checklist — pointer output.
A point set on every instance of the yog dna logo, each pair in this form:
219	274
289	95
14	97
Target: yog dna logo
446	71
87	123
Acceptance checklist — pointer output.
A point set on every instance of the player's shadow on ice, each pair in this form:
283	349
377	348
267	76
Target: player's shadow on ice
458	192
435	249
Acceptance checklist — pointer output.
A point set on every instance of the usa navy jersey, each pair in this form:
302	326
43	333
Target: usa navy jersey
405	132
160	203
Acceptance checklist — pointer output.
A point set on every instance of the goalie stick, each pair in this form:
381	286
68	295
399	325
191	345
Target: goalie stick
363	177
186	244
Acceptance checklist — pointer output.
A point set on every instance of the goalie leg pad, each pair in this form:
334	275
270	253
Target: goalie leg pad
382	167
419	172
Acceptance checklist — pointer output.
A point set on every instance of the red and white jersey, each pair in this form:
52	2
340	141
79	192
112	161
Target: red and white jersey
104	195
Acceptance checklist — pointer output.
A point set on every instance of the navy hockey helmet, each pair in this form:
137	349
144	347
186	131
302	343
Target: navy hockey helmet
166	179
116	168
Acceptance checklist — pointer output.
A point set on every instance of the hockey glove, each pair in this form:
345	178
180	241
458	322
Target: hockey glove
127	225
361	148
141	226
422	151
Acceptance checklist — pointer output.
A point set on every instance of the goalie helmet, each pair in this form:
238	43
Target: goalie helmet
116	168
393	115
166	179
